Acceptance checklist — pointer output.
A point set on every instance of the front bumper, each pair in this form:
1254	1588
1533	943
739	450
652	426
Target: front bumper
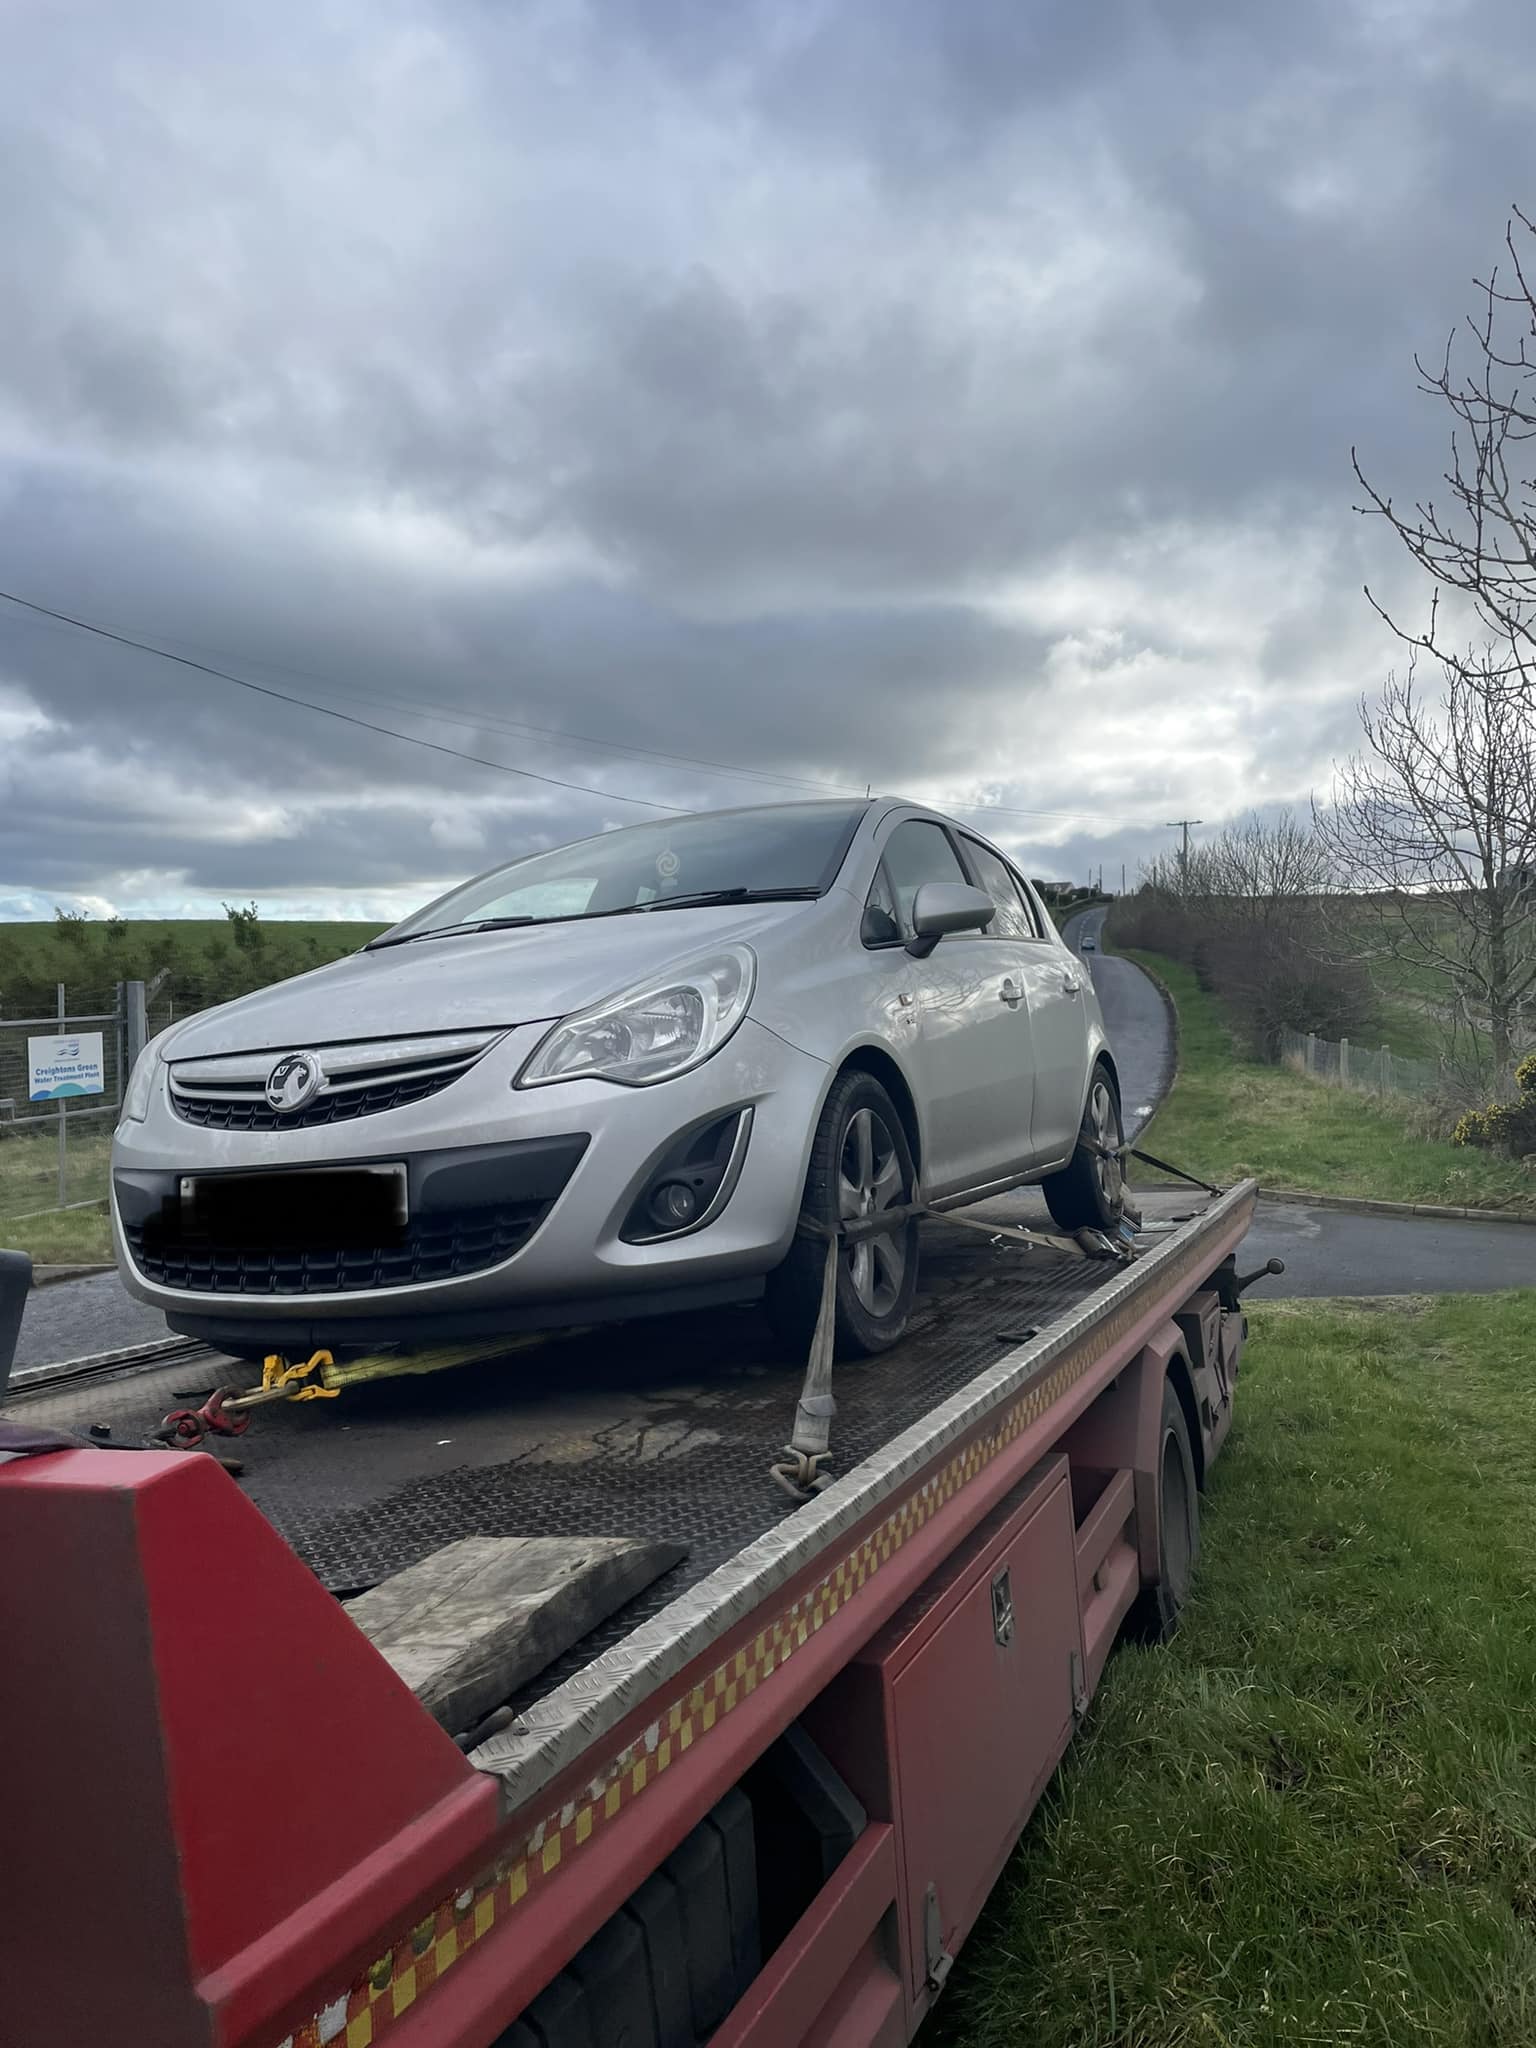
557	1170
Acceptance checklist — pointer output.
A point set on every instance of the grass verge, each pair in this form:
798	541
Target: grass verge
1228	1117
1312	1817
61	1237
29	1186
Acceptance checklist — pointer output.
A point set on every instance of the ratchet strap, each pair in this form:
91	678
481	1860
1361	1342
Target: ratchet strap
1178	1172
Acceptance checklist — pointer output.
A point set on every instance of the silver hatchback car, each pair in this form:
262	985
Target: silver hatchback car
611	1079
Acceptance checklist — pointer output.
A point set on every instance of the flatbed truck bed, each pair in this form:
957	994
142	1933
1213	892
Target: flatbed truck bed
760	1802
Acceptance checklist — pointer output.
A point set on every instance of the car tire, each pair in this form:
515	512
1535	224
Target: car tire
860	1162
1155	1615
1089	1191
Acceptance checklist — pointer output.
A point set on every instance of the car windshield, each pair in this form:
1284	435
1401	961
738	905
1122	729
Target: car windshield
733	855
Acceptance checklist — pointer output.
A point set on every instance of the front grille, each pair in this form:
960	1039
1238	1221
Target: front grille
361	1079
216	1114
441	1246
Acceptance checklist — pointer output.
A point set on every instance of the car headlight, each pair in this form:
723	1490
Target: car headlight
651	1032
141	1082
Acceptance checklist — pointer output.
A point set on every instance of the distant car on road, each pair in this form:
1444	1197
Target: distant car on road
1089	943
647	1070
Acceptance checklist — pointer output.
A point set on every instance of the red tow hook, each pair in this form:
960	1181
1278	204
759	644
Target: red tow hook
187	1427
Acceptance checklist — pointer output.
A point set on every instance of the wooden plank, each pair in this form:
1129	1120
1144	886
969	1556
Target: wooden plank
474	1621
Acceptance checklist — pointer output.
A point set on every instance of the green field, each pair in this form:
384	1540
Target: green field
1311	1819
1228	1117
1414	1000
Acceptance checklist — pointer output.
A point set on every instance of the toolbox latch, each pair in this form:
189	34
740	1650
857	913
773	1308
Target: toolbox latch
1079	1689
1002	1607
937	1960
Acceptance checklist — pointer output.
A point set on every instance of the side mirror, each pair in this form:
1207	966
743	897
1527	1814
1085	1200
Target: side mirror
942	907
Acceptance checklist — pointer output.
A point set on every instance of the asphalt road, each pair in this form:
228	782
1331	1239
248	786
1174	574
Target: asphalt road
1330	1251
1136	1018
80	1317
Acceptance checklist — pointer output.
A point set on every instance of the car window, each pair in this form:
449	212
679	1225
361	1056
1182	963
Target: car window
882	922
1013	920
789	846
567	898
919	852
1045	924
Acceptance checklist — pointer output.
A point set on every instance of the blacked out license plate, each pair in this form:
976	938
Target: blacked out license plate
317	1205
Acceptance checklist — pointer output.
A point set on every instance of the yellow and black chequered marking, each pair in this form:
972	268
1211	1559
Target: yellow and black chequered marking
365	2013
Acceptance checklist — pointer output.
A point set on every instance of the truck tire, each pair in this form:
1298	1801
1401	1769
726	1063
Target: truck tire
860	1163
1089	1191
1155	1616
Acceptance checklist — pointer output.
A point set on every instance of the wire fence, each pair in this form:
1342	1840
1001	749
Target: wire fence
62	1078
55	1147
1373	1070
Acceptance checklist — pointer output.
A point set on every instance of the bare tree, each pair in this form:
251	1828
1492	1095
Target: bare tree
1480	540
1256	871
1242	910
1267	872
1435	823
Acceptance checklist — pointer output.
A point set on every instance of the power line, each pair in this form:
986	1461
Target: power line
470	717
474	720
471	720
327	711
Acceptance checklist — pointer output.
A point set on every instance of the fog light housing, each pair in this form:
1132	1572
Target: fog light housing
692	1181
673	1205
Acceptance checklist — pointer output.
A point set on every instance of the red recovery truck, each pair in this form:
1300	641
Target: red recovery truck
519	1706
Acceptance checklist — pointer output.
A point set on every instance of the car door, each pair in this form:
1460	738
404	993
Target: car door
972	1055
1054	980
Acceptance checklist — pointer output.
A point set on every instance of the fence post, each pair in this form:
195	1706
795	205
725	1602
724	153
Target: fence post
138	1030
1343	1062
63	1183
1311	1052
1386	1070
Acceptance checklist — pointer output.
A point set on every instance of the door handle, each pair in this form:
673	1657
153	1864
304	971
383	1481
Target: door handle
1070	985
1011	994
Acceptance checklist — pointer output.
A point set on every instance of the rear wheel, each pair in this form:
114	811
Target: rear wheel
1156	1614
1089	1191
861	1164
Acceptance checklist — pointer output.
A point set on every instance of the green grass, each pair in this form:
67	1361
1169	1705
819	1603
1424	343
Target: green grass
29	1186
64	1237
1228	1117
1311	1819
1412	1031
1415	1000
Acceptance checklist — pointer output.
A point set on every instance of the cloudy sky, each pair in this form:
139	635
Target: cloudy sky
706	404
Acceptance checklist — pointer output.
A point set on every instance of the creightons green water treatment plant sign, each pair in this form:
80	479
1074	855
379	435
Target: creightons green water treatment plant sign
70	1065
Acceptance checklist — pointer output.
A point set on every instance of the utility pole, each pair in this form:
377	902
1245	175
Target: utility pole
1183	825
1122	878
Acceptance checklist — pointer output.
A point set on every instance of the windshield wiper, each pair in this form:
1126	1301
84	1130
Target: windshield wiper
456	931
506	924
730	896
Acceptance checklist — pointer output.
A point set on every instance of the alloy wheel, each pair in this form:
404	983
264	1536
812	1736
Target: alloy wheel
869	1180
1105	1126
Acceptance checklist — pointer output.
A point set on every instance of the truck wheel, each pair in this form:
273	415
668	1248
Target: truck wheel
861	1163
1155	1615
1089	1191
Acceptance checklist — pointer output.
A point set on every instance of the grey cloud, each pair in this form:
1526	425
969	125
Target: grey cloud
711	380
